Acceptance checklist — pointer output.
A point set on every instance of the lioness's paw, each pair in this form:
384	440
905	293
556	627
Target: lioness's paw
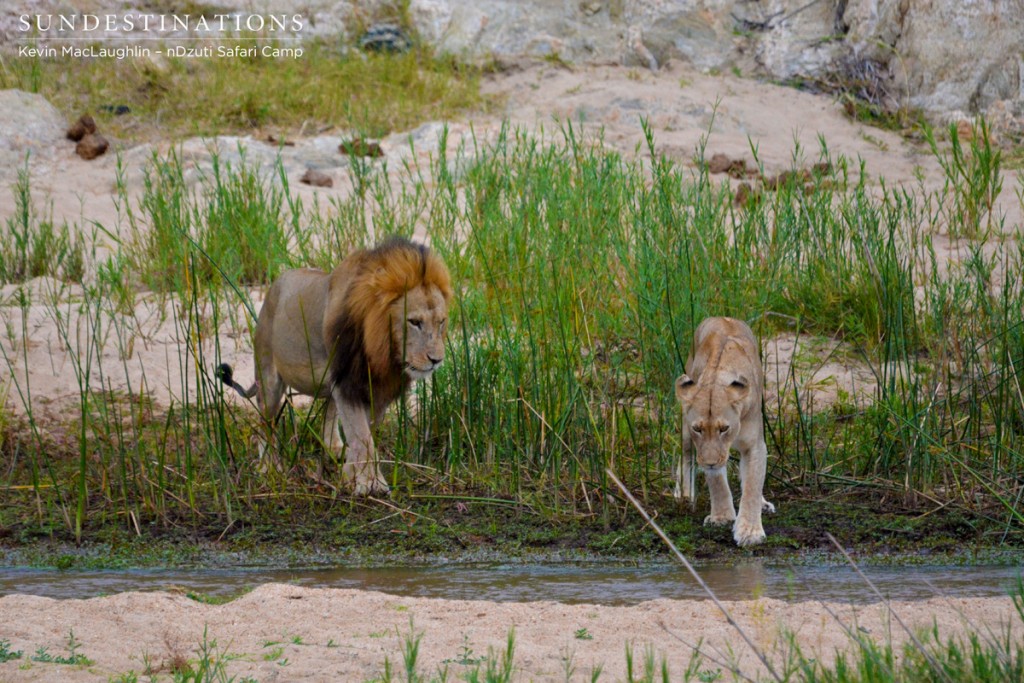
719	520
373	487
748	533
767	507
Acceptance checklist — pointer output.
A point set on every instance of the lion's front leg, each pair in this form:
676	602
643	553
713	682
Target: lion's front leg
360	469
753	463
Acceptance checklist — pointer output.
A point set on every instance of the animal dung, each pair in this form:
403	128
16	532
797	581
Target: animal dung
91	146
85	125
357	147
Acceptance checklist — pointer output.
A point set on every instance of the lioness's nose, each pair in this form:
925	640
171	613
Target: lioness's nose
435	361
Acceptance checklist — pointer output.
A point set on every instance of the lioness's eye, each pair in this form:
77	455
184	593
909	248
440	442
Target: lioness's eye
416	322
723	429
696	429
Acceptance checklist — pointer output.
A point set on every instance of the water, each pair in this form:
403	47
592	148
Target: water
594	583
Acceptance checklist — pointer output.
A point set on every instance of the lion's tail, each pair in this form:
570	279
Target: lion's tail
226	374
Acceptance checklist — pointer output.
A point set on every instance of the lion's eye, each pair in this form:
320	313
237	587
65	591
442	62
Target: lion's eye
723	429
416	322
697	429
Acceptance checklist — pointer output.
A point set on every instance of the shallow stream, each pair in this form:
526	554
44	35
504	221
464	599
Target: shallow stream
567	583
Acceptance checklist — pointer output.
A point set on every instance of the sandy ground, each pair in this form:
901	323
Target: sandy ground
286	633
333	635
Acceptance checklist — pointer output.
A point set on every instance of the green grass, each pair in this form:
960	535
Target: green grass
580	276
374	94
32	246
6	653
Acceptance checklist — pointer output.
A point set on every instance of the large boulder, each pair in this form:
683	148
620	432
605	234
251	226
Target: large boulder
28	125
944	57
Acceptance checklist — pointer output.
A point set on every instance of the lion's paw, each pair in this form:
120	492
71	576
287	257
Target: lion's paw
767	507
747	533
719	520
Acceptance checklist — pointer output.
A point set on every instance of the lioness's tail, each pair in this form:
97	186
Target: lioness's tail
225	374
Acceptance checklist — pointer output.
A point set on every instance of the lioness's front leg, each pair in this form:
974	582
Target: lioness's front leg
360	466
722	511
753	462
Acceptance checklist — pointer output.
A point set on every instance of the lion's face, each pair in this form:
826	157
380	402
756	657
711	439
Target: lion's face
711	413
419	322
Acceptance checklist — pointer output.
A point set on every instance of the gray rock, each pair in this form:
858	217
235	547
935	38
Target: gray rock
28	124
691	36
943	56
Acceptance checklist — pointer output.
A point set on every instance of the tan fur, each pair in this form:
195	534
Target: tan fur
357	335
720	395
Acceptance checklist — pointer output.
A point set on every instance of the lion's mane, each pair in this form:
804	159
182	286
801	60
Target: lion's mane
365	361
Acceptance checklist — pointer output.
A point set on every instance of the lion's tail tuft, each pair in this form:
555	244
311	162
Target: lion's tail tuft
226	374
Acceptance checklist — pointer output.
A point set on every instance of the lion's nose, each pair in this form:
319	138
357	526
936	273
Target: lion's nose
433	360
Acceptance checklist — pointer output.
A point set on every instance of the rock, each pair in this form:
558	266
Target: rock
385	38
85	125
696	37
28	123
635	52
91	146
800	40
943	56
316	178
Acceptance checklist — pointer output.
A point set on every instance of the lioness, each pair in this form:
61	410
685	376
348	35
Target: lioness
356	336
721	398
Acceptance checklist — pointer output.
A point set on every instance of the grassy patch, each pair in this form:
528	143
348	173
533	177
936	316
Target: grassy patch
581	275
32	246
177	97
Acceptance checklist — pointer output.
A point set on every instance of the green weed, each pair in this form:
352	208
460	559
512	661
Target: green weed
31	246
6	653
74	657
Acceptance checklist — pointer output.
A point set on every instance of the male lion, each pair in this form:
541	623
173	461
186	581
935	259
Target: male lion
721	398
357	336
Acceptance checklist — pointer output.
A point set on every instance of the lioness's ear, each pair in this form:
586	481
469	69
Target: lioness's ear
685	386
738	388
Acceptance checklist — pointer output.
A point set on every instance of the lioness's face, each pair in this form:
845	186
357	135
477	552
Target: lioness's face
419	321
711	414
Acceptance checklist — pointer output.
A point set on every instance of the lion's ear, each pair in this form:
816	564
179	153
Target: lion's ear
738	388
685	388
